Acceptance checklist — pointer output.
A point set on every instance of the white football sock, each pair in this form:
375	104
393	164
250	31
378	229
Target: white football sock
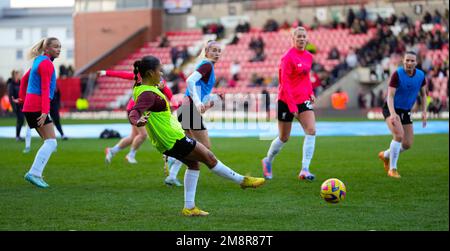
132	153
42	157
308	151
28	137
115	149
226	172
387	152
394	154
174	167
190	187
274	149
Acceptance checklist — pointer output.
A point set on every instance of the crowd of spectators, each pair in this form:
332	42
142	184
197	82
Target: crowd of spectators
393	36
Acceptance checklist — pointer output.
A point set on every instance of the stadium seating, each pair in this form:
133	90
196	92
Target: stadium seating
109	89
276	43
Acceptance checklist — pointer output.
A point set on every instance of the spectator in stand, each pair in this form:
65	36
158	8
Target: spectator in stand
356	27
334	53
427	18
256	80
164	43
220	31
391	20
285	25
235	39
437	18
351	60
242	27
174	56
235	69
404	20
350	17
270	26
436	42
259	55
256	43
379	20
316	24
184	54
363	25
362	15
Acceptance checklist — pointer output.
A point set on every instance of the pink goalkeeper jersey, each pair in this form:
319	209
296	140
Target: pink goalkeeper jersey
295	85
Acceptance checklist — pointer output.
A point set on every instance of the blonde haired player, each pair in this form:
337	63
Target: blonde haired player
198	99
37	89
295	100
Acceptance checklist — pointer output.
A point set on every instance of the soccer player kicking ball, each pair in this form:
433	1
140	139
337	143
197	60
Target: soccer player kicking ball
404	86
167	135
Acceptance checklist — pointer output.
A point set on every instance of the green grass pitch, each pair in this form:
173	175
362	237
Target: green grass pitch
87	194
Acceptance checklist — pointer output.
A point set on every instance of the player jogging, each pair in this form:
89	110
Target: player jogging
404	86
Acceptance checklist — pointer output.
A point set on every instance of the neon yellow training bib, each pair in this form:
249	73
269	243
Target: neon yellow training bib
163	128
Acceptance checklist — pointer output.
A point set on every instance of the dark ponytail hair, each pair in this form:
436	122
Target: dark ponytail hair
141	67
136	66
